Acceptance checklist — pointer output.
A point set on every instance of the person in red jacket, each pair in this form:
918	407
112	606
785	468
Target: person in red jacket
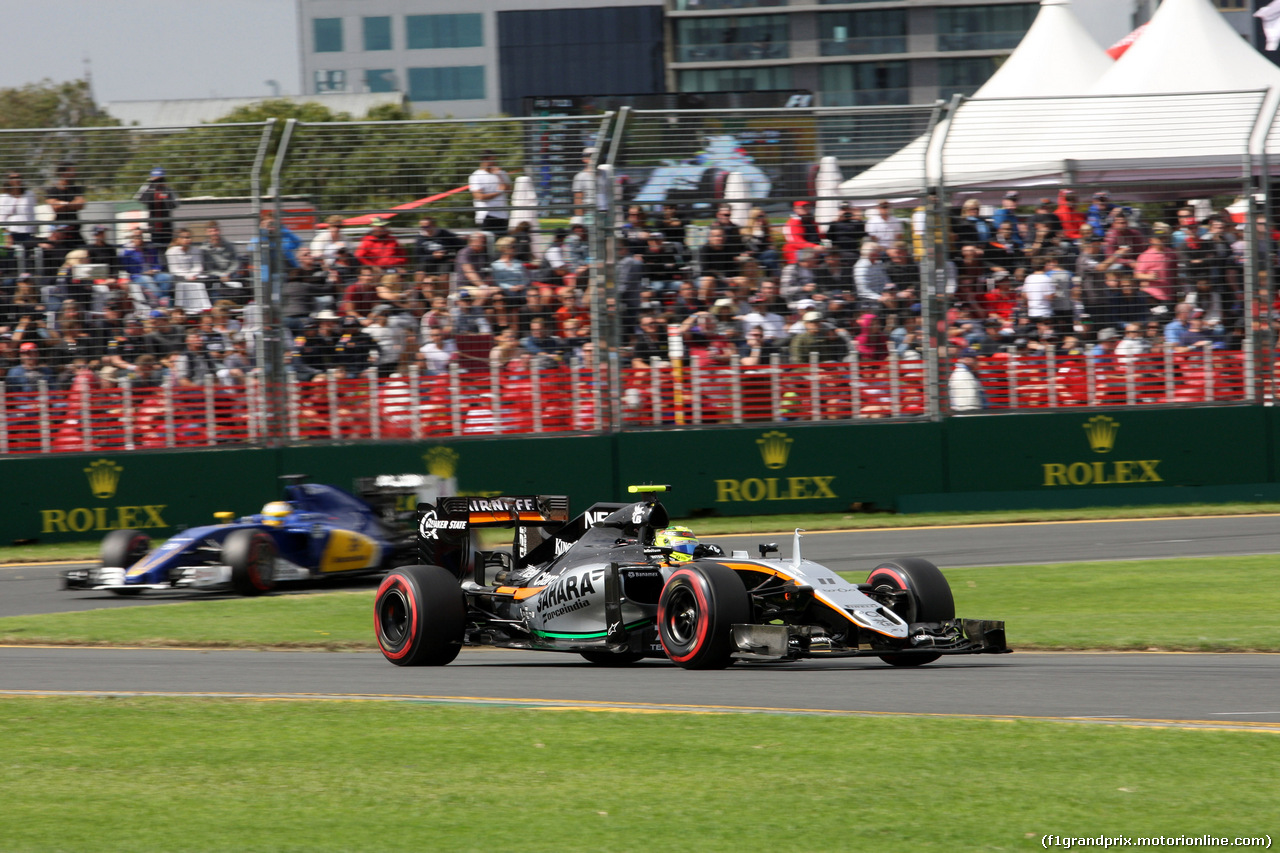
1071	218
801	232
380	248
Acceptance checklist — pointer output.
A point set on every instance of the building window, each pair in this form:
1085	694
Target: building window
1231	5
735	79
746	37
380	80
852	33
327	34
377	33
462	83
865	84
984	27
427	32
964	76
330	81
708	5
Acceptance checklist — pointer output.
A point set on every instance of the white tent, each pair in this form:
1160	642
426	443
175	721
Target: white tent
1150	116
1057	56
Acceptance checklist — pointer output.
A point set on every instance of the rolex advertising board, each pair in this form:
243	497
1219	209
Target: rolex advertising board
786	467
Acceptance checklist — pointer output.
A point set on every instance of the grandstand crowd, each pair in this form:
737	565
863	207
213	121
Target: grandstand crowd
174	305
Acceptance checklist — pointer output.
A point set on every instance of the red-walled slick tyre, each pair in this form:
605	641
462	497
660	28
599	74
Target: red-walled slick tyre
929	599
419	616
251	554
699	605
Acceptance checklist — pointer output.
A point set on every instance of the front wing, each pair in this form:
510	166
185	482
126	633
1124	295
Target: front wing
953	637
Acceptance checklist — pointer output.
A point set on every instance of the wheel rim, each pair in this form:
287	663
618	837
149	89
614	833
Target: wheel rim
393	617
262	566
909	615
681	618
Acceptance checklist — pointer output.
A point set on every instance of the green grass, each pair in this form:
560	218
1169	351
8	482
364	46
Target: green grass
785	523
1223	604
131	774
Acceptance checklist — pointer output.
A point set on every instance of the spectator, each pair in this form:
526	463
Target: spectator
847	232
360	297
195	363
1177	331
799	279
1098	216
18	211
1133	344
715	257
472	266
1125	242
380	248
389	340
973	229
650	343
1004	253
259	247
26	376
801	232
1157	270
438	352
816	338
1044	216
489	186
964	388
436	247
505	348
885	228
673	228
468	316
187	268
103	253
66	197
1038	292
146	374
661	263
903	272
1008	215
510	276
871	280
1068	215
585	192
762	315
542	344
328	240
161	201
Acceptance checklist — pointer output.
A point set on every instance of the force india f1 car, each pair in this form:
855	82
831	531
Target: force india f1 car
612	586
317	531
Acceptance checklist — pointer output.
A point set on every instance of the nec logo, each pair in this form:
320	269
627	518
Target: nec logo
594	518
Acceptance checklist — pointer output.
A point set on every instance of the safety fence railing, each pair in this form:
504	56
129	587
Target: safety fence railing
525	397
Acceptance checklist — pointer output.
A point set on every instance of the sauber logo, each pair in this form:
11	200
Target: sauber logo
1101	432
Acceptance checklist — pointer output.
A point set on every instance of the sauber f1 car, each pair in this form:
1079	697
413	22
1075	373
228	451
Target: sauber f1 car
617	584
316	531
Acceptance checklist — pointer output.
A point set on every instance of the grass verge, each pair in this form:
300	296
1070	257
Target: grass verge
88	551
1224	604
158	774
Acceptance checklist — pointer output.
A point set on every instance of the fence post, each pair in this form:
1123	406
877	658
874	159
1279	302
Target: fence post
855	385
1208	374
455	398
46	442
1051	374
415	402
375	420
169	439
695	372
735	367
575	395
895	385
775	386
655	389
4	422
291	391
1168	372
1011	371
1091	376
127	415
815	388
1131	380
495	395
536	397
331	392
210	421
86	431
250	399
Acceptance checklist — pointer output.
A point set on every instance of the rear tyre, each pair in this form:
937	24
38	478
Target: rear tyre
123	548
612	658
697	610
251	554
419	616
928	600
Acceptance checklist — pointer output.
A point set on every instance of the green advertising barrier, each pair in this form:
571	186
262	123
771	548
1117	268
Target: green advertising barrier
1086	458
578	466
58	498
785	468
1063	459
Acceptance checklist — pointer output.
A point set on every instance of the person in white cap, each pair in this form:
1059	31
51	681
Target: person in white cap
585	190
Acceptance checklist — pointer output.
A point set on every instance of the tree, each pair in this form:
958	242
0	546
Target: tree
50	104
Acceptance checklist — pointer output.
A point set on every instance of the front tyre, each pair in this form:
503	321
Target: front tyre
123	548
251	554
419	616
928	600
697	610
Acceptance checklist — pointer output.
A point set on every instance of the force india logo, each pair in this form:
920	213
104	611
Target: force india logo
1101	432
775	452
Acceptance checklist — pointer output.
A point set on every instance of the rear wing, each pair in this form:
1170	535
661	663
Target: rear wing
446	529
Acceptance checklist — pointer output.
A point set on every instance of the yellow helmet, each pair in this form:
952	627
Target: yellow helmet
680	540
275	512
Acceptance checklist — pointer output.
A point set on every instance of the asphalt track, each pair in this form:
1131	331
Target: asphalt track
1215	691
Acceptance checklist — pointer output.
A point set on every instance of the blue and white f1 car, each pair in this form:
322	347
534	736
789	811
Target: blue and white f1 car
316	531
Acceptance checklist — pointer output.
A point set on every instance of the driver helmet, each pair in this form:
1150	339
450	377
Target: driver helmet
275	512
680	540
